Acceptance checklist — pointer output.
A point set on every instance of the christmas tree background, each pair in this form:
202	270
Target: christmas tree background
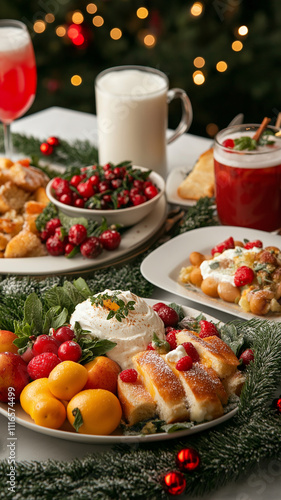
224	53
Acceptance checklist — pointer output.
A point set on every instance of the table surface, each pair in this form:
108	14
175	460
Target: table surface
70	125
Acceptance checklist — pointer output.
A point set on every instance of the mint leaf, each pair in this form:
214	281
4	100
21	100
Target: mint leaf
162	346
78	420
68	222
245	142
54	318
33	312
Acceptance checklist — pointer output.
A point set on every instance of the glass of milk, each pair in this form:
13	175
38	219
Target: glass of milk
132	111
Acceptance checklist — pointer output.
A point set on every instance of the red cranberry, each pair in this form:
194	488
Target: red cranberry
116	183
150	192
55	182
77	234
138	199
109	175
107	166
228	143
79	203
45	343
103	186
119	172
55	246
63	188
63	334
110	239
91	247
52	225
66	199
69	351
86	189
94	180
68	249
75	180
138	184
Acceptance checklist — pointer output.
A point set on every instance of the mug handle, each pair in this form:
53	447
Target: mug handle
187	113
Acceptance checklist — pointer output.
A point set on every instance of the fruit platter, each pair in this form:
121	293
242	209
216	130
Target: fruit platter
113	367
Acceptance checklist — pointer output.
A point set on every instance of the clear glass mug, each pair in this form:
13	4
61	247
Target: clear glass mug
248	182
132	112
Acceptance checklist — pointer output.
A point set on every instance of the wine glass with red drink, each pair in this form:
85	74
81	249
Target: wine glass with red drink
18	76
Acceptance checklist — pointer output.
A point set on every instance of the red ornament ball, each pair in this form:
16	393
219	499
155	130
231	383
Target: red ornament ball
187	459
277	405
53	141
46	149
174	483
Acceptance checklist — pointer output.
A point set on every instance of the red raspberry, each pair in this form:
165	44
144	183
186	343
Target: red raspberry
63	334
172	339
110	239
41	366
45	343
55	246
252	244
86	189
247	356
91	247
208	329
158	306
129	376
77	234
70	351
150	192
168	315
150	347
191	351
228	143
184	364
52	225
225	245
244	275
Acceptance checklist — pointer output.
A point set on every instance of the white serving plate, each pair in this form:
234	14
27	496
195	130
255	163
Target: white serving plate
24	419
132	239
174	179
162	266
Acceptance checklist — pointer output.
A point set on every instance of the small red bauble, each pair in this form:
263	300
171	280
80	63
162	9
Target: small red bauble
277	405
174	483
46	149
53	141
187	459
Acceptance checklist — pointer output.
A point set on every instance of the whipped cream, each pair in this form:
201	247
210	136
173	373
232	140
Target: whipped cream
233	258
175	355
132	334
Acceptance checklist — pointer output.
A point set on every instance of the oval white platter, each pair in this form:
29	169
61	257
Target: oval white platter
24	420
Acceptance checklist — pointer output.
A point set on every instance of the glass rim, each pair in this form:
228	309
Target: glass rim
13	22
144	69
243	127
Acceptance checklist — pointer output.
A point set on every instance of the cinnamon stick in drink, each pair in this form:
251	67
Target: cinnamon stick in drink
261	128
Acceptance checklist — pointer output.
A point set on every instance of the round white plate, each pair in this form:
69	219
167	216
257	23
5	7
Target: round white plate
162	266
174	179
132	239
23	419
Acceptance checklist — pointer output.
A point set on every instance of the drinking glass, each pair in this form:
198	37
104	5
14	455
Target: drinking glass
17	75
248	182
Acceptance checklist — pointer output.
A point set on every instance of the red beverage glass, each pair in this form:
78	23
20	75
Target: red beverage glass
248	182
17	74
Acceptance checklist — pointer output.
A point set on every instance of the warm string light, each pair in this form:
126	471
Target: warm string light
76	80
115	33
212	129
142	13
237	46
91	8
196	9
39	26
98	21
221	66
243	30
60	31
49	18
77	17
199	62
149	40
198	77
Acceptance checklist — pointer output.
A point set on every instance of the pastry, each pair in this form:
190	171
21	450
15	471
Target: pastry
200	182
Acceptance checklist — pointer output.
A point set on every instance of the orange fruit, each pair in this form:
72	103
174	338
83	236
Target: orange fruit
32	392
100	411
66	379
102	374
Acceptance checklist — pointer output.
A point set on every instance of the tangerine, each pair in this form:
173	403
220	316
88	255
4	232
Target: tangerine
66	379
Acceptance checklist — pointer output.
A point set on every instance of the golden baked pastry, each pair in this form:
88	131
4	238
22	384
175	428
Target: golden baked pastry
11	197
136	402
24	244
200	182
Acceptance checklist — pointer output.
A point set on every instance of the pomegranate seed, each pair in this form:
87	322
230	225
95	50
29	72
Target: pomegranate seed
77	234
184	364
191	351
244	275
69	351
130	375
110	239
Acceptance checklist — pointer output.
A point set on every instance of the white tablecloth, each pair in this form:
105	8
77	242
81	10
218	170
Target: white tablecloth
264	484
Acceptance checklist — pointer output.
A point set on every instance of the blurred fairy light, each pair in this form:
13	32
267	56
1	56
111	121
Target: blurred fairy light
243	30
237	46
98	21
39	26
77	17
149	41
60	31
142	12
49	18
212	129
76	80
198	77
115	33
91	8
199	62
196	9
221	66
74	32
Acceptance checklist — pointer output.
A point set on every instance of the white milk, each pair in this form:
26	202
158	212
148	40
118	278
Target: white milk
132	114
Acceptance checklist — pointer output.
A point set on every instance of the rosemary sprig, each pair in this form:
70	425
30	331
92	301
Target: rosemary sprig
106	300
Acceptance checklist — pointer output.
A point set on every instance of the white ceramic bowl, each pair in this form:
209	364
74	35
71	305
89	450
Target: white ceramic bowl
124	216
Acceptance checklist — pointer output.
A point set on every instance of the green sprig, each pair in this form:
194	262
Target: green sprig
123	308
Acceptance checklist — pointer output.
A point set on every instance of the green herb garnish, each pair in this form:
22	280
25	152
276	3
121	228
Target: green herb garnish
78	419
122	310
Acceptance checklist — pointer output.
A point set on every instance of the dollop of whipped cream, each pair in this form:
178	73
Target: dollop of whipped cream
176	354
132	334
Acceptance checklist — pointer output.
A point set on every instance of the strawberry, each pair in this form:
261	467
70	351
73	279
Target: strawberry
184	364
41	366
168	315
244	275
208	329
252	244
191	351
225	245
130	375
171	339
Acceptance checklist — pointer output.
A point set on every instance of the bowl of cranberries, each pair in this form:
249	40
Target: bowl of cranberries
122	194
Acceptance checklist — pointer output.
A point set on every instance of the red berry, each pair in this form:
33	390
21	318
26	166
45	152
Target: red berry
244	275
191	351
138	184
130	375
94	180
79	203
55	246
103	186
62	188
45	343
225	245
158	306
109	175
55	182
172	339
27	355
66	198
91	247
52	225
46	148
60	234
41	366
208	329
228	143
252	244
86	189
184	364
247	356
168	315
75	180
68	249
110	239
107	166
44	235
133	192
123	199
119	172
63	334
150	347
77	234
116	183
150	192
53	141
70	351
138	199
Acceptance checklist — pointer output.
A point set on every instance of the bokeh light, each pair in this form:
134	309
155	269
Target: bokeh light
212	129
98	21
115	33
196	9
76	80
149	41
91	8
49	18
142	12
39	26
243	30
199	62
221	66
60	31
198	77
77	17
237	46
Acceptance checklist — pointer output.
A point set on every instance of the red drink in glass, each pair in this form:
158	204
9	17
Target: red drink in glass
17	73
248	183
